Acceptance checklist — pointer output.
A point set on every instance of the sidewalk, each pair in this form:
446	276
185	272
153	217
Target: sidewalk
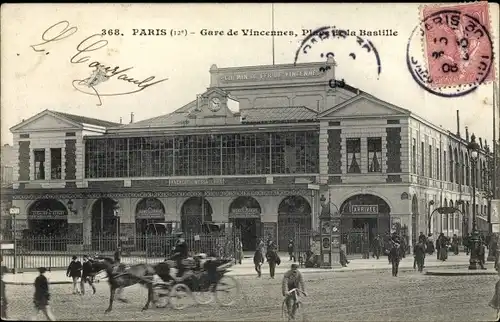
247	268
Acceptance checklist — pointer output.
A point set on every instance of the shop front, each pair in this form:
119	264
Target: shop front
245	215
363	216
47	225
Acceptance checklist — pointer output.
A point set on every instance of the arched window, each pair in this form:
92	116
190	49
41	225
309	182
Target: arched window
457	166
462	170
451	164
467	169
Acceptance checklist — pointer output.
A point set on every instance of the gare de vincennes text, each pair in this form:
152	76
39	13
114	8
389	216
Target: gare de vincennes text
256	32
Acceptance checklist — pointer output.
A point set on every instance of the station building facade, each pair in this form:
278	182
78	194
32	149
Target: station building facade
293	143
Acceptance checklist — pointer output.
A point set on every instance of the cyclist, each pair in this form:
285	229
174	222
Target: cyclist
292	279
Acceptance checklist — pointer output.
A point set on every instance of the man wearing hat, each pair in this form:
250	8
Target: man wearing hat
87	274
75	272
42	295
180	253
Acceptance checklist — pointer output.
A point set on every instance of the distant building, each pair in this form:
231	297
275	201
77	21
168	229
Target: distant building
7	164
263	168
7	161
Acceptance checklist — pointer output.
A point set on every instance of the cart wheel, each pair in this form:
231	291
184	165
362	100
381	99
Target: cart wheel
180	296
161	296
227	291
203	297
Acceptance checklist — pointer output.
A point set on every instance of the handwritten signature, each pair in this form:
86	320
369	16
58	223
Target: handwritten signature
101	72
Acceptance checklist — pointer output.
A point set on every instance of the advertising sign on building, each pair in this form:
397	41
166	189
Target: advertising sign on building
244	212
364	209
47	214
150	208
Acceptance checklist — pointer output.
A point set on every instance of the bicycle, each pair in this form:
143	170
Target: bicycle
297	304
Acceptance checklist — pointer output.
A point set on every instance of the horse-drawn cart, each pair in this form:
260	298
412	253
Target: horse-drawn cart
204	282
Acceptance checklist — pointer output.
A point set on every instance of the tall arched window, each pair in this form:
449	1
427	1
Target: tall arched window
457	166
451	164
467	169
462	169
479	171
445	173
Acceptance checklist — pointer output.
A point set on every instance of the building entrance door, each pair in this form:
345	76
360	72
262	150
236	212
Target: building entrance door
250	229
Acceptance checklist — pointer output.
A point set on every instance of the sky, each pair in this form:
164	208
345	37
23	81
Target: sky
36	77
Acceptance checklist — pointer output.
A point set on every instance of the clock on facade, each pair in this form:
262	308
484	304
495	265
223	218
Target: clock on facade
215	104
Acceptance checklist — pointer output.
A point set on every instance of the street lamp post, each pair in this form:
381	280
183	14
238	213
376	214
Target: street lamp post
473	148
14	211
429	216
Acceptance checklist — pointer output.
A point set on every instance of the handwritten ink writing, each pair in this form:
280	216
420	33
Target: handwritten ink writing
48	37
62	30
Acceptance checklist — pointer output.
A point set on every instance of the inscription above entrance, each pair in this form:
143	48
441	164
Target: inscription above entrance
364	209
244	212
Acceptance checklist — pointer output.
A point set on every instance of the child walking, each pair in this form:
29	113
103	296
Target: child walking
42	296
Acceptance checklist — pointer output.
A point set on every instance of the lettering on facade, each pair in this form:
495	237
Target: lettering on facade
150	208
364	209
272	75
47	214
244	212
195	182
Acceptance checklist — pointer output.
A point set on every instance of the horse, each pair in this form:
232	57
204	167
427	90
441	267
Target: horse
119	277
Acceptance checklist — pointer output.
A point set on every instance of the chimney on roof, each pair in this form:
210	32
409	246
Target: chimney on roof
121	121
481	142
132	117
458	123
467	134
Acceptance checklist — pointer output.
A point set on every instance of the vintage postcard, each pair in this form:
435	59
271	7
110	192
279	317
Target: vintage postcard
250	162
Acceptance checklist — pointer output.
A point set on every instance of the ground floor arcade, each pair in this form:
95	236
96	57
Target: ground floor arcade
280	214
86	217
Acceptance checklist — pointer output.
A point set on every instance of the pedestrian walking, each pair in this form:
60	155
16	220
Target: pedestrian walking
454	244
87	275
273	259
395	255
239	251
404	246
377	246
466	243
291	250
343	255
258	260
482	254
430	244
495	301
42	296
3	270
75	272
419	255
442	247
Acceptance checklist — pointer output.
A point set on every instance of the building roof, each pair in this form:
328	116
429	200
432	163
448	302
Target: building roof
85	120
278	114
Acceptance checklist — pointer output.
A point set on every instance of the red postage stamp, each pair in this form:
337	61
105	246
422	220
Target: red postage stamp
458	45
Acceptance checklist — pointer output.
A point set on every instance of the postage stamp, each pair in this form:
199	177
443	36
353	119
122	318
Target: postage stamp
457	44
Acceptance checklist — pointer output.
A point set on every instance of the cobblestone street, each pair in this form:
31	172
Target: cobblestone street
349	296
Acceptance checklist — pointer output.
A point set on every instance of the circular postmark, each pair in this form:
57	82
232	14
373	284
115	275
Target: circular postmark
319	43
450	53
